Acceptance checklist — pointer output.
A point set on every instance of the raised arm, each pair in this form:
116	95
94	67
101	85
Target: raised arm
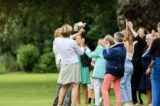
79	48
93	54
135	34
78	33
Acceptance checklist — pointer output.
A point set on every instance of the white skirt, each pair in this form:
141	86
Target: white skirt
70	73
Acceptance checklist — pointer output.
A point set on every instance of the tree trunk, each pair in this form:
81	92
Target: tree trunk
143	13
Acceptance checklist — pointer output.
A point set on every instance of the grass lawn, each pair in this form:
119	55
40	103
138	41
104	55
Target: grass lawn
27	89
20	89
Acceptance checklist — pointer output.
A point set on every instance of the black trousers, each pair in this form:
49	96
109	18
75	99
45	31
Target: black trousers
135	82
67	99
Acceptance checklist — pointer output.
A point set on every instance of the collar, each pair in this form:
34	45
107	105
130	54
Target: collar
118	44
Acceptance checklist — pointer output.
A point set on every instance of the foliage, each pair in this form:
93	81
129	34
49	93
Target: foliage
20	89
8	62
45	63
33	22
3	69
27	56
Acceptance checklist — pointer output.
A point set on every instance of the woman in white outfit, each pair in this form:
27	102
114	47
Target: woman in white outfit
70	69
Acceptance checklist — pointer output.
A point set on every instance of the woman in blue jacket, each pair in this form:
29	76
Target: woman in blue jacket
115	57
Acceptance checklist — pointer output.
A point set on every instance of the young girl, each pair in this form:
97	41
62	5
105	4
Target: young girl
99	68
91	89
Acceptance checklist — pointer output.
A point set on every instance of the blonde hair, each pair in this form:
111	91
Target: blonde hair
110	39
128	36
66	30
57	32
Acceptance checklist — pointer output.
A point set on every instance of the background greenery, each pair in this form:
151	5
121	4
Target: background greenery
27	26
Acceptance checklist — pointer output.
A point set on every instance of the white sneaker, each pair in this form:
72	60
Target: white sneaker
100	100
128	104
150	104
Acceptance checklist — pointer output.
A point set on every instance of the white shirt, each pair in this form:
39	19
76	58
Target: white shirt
68	50
57	54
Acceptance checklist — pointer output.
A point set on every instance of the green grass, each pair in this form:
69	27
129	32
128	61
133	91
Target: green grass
27	89
21	89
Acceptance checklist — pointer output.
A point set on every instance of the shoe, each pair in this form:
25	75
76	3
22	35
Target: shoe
128	104
100	100
125	104
137	104
150	104
141	101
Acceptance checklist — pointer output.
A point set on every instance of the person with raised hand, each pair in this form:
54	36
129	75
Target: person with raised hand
125	85
70	67
139	46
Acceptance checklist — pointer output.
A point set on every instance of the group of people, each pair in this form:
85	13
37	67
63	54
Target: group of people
129	61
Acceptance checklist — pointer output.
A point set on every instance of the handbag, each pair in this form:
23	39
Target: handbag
85	60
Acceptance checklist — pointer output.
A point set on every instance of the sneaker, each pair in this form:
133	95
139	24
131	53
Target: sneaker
128	104
100	100
137	104
150	104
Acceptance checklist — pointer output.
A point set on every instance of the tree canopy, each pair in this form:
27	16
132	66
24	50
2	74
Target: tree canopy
33	22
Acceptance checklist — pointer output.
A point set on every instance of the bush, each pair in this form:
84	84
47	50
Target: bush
8	63
27	56
45	63
3	69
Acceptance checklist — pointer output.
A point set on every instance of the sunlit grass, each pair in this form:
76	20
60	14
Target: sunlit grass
21	89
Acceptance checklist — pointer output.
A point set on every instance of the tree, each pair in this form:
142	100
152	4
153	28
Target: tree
33	22
143	13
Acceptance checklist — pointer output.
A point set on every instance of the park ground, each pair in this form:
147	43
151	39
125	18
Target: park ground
21	89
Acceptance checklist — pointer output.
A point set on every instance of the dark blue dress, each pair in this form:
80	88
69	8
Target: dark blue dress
145	82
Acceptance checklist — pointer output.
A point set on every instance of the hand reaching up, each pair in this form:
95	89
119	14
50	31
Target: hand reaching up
130	25
81	30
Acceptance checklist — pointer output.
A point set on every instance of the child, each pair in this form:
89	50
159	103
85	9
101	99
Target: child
99	69
91	89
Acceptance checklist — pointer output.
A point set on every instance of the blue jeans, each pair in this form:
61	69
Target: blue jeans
156	83
125	83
